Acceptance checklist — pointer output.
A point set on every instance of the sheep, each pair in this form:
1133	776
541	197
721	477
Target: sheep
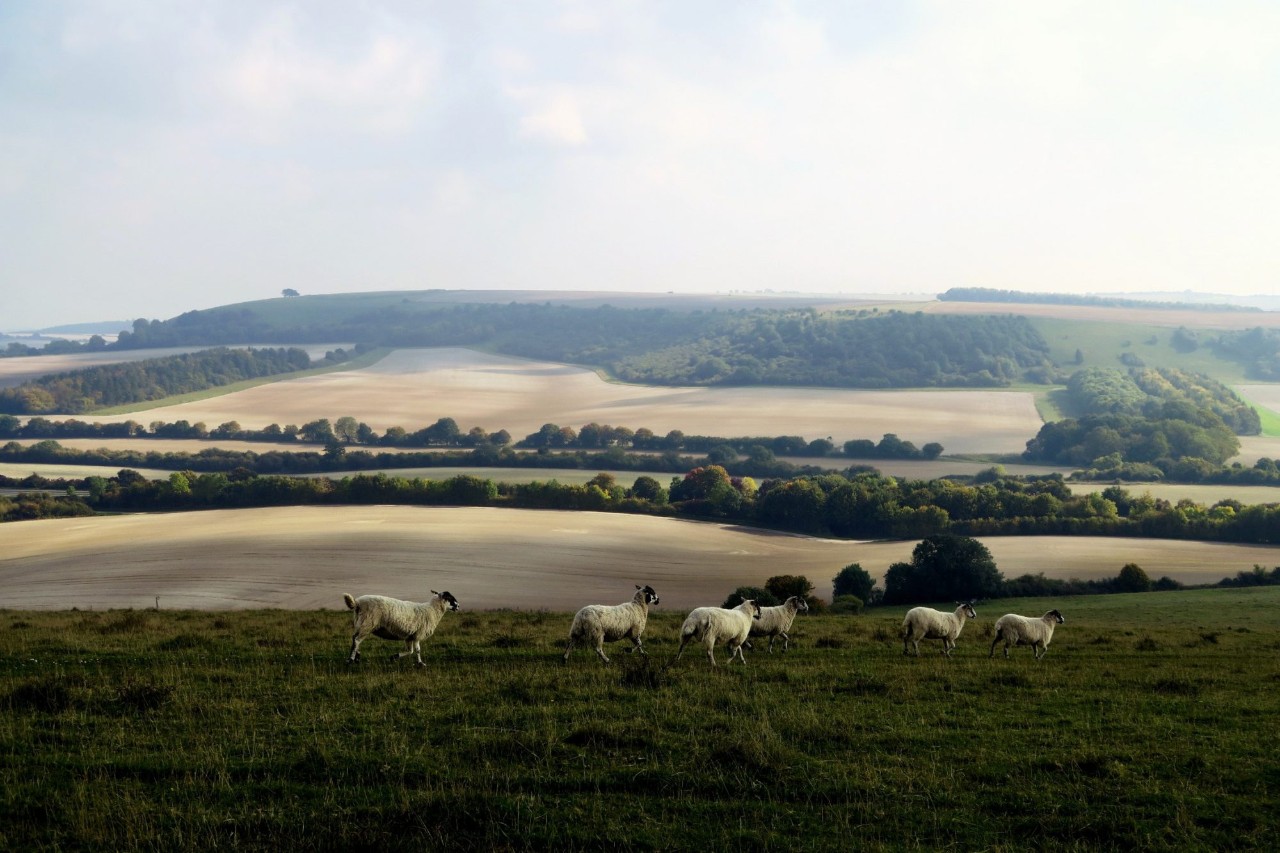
708	624
775	622
1031	631
597	623
925	623
393	619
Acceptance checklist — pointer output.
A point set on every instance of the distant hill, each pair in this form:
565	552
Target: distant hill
987	294
103	327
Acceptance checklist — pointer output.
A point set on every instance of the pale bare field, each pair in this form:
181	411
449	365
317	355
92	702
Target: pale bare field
1190	318
15	371
1266	395
18	470
413	388
306	557
1255	447
1205	494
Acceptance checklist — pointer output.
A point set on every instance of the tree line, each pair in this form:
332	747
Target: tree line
122	383
960	568
1146	391
347	432
663	346
989	294
856	503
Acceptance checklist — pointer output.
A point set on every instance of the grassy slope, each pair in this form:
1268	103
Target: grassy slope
1150	724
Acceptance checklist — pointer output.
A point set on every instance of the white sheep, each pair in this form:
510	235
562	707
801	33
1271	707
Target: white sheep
709	624
925	623
775	622
393	619
1032	631
597	624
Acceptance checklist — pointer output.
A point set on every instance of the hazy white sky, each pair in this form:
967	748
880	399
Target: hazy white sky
160	157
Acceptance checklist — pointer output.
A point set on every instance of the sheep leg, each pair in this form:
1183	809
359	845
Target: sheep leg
600	651
994	643
355	648
771	641
568	648
638	647
786	642
711	656
736	651
1039	650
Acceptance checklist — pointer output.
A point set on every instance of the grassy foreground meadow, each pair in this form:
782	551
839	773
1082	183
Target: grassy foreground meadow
1150	724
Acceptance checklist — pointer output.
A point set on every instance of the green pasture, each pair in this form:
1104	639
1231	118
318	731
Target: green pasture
1103	343
1150	724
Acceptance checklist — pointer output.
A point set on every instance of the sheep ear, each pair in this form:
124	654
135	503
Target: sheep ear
433	592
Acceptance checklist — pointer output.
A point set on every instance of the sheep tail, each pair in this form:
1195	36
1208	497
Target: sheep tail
351	602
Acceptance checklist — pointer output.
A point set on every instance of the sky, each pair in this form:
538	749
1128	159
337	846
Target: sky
161	157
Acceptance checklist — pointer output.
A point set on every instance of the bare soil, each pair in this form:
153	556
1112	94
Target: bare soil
306	557
413	388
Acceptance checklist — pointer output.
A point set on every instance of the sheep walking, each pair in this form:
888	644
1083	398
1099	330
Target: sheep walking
710	624
1036	632
925	623
393	619
597	624
775	622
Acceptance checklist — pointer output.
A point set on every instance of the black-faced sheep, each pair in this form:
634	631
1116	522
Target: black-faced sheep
597	624
393	619
1036	632
925	623
709	624
775	622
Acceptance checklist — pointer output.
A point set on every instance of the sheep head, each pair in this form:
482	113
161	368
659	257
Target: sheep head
968	609
801	605
448	597
650	596
1056	616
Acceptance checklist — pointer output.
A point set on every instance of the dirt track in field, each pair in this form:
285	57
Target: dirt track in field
413	388
306	557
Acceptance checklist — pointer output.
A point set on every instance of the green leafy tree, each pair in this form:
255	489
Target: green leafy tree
783	587
647	488
759	595
347	429
1132	578
853	580
944	567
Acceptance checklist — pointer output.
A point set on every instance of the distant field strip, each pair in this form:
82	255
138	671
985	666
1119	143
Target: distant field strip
356	363
412	388
306	557
15	371
1266	399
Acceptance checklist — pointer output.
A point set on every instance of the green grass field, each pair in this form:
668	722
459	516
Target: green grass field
1101	344
1150	724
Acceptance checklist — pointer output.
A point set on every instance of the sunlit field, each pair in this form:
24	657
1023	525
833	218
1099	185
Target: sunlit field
413	388
307	557
1150	724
